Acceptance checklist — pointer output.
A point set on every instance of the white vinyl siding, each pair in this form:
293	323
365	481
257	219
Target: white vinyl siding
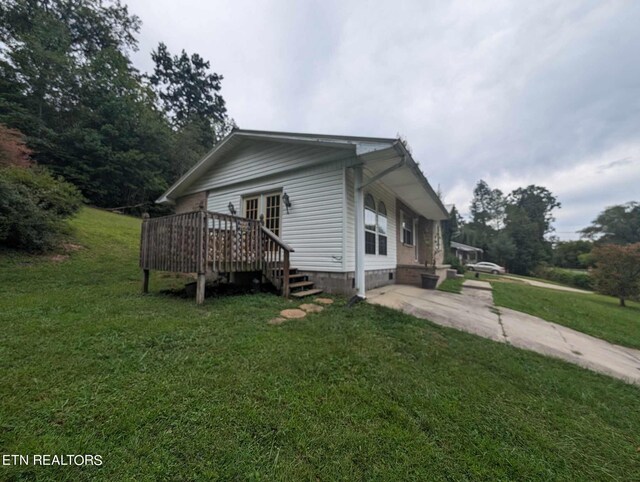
371	261
314	225
260	159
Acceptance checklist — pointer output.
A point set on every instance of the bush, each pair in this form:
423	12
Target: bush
33	206
565	277
455	264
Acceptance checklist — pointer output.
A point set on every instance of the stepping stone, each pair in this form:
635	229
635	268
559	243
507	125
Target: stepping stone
276	321
324	301
311	308
293	313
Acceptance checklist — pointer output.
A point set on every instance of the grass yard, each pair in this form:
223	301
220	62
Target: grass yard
452	285
164	389
594	314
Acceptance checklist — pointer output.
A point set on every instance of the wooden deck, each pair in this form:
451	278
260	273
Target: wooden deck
202	242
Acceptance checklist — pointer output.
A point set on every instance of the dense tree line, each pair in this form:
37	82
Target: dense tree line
511	229
68	84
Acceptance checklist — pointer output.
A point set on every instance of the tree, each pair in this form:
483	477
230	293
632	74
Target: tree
617	271
528	219
538	204
451	227
616	224
67	82
189	94
487	207
33	203
567	254
502	249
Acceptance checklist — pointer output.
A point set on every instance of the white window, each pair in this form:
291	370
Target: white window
382	228
369	225
375	226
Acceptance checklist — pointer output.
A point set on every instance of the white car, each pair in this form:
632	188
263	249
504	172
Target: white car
486	267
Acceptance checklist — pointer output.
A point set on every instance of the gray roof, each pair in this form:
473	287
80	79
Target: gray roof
465	247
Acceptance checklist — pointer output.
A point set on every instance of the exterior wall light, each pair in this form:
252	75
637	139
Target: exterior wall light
232	209
286	201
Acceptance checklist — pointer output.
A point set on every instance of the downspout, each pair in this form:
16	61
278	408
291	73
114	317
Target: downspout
359	206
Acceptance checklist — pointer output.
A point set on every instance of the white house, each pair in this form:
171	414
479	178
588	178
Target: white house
358	211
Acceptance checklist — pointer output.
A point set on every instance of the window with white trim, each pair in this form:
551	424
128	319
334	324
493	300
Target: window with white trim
382	228
369	225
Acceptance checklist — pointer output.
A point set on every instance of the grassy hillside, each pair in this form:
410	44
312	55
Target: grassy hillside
164	389
597	315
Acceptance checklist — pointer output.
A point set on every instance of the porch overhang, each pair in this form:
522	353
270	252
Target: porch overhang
395	168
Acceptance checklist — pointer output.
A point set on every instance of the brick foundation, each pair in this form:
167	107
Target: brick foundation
342	283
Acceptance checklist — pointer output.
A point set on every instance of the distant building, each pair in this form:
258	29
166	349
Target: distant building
465	253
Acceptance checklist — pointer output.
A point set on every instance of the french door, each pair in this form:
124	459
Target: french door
266	205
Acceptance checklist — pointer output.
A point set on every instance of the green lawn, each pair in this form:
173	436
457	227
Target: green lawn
452	285
594	314
164	389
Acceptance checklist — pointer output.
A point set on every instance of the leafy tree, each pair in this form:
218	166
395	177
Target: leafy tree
451	227
67	82
566	254
528	220
33	203
488	206
538	204
189	94
616	224
502	249
617	271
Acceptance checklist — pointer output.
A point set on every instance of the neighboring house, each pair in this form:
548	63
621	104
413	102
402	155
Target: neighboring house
465	253
361	214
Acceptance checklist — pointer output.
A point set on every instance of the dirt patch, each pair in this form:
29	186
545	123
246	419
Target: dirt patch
59	258
70	247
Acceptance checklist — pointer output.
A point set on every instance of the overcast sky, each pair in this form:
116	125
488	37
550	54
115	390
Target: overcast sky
512	92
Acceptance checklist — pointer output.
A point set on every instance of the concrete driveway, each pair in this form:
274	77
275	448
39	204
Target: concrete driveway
473	311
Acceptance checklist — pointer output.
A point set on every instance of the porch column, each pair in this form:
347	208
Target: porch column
359	206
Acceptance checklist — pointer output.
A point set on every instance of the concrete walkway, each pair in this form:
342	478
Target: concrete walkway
542	284
473	311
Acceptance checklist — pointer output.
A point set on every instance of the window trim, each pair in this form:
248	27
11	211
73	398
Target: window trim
376	232
384	235
373	231
404	217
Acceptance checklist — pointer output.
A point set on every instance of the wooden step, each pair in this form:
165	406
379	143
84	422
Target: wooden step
297	276
300	284
302	294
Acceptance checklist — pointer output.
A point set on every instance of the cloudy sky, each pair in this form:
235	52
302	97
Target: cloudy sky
512	92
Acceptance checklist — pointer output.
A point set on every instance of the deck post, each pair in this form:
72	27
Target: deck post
202	255
285	275
144	249
200	284
145	280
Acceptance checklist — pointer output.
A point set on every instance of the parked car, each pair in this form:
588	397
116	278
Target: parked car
486	267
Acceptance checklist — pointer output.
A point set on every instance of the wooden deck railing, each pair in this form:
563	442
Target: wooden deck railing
204	241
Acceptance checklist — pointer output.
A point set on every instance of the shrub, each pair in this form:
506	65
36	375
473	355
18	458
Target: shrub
617	271
455	264
33	206
565	277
